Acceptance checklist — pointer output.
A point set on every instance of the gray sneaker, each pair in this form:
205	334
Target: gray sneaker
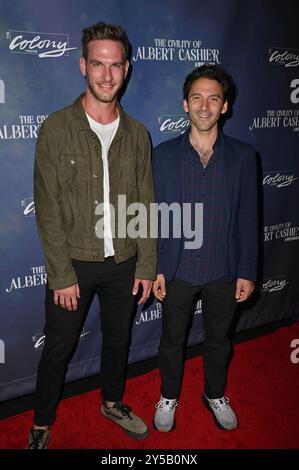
164	420
122	415
38	439
225	417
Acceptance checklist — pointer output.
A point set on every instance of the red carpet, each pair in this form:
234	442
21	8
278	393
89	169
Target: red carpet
263	387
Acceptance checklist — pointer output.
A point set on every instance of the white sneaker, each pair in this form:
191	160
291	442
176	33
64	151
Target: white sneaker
223	413
164	417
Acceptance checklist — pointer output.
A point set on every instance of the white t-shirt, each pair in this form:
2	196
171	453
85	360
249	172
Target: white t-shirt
105	133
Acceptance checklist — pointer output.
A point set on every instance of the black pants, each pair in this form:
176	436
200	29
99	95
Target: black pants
218	309
113	283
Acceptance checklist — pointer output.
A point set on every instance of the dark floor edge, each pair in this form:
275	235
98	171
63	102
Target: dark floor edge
19	405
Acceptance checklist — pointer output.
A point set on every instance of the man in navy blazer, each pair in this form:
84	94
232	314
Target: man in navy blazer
204	166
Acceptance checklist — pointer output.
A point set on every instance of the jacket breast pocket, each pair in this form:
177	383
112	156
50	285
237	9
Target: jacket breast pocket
72	170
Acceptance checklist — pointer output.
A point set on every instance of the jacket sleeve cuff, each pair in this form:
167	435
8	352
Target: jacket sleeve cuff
57	283
142	273
246	275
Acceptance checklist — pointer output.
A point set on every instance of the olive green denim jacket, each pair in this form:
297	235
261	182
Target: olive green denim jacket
68	186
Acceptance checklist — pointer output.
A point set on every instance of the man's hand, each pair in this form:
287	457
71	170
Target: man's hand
67	298
244	288
146	289
159	288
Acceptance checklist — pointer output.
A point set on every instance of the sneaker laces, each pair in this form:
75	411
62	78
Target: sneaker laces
218	402
164	402
124	409
36	436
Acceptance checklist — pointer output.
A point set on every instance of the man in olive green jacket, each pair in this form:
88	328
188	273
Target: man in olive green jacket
88	155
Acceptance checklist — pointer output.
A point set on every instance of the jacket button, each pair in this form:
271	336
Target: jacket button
95	176
96	147
94	257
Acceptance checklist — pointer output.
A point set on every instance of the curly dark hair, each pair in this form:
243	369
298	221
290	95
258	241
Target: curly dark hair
213	72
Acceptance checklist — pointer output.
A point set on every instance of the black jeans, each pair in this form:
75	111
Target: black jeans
219	306
113	283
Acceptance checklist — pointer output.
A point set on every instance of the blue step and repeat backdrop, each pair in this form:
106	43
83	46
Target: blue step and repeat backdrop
256	41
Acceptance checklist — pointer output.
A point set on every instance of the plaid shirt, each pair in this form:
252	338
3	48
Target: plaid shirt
206	185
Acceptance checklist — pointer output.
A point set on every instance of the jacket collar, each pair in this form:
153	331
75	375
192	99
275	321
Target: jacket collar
80	121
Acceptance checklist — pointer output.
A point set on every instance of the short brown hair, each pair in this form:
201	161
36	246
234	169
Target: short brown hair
104	31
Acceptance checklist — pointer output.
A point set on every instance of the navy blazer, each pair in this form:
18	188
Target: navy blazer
240	201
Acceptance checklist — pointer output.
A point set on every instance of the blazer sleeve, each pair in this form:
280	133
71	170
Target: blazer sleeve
248	218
